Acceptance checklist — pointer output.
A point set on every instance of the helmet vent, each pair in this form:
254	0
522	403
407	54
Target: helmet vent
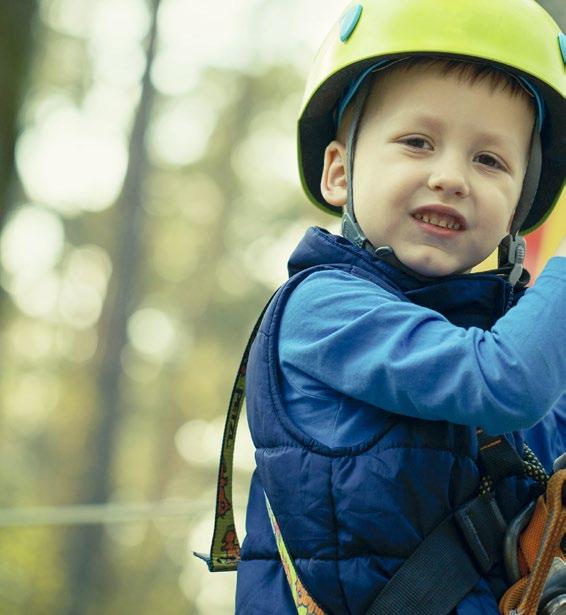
349	22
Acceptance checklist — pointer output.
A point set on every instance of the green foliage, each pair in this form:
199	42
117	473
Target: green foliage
215	233
31	573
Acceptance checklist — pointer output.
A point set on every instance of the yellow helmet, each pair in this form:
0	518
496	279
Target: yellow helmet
517	36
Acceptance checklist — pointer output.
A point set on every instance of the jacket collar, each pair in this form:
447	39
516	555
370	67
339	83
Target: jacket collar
488	293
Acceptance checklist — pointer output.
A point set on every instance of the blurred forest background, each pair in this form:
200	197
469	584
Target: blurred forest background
149	199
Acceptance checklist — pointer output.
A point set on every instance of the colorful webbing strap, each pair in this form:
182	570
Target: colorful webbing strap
225	547
305	604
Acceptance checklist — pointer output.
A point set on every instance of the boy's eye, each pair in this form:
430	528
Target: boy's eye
414	141
490	160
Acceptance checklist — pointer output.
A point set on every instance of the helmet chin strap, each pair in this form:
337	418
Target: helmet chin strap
351	230
512	248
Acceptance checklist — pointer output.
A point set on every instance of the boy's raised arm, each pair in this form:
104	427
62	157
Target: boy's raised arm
352	336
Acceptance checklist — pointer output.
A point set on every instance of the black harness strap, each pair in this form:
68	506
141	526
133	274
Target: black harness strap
483	527
447	564
497	457
433	580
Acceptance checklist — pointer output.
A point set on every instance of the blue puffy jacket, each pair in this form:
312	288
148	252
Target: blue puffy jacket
365	431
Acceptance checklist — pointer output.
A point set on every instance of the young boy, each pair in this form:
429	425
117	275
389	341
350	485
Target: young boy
383	366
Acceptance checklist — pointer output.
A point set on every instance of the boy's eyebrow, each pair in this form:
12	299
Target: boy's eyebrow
498	140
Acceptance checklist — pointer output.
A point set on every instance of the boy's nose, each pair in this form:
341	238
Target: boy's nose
450	180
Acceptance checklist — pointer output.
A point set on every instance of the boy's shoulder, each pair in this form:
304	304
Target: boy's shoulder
328	295
334	284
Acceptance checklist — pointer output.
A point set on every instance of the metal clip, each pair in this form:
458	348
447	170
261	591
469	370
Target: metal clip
351	231
516	257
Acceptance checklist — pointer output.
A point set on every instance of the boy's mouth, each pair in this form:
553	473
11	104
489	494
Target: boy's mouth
440	216
439	221
436	230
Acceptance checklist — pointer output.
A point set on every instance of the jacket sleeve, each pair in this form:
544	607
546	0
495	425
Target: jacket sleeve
352	336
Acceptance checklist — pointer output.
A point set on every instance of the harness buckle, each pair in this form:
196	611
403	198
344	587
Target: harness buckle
483	526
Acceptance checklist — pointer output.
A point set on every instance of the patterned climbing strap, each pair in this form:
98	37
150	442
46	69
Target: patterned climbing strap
225	547
304	603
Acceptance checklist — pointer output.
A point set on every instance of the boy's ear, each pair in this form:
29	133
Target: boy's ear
333	184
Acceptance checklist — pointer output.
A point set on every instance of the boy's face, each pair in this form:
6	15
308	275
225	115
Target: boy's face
428	139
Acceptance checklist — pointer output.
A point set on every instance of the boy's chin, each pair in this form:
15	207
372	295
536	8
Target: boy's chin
436	266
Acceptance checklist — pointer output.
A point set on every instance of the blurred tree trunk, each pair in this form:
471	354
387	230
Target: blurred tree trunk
86	562
16	45
16	51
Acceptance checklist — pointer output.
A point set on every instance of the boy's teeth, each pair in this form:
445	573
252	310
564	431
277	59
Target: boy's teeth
437	221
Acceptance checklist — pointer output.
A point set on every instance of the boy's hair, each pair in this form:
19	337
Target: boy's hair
466	71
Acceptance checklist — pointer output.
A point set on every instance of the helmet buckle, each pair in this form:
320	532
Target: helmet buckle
352	232
516	257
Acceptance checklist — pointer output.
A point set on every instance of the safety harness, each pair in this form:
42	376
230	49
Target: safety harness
448	563
534	554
